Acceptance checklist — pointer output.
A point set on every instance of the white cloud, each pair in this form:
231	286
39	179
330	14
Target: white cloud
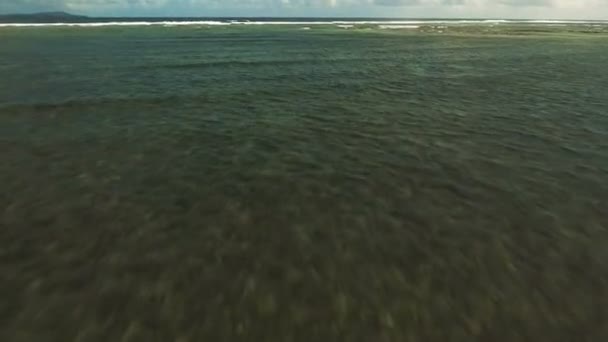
434	8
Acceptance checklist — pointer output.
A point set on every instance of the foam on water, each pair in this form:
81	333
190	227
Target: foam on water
398	26
339	23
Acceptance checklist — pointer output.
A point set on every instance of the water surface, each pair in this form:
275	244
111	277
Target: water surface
269	183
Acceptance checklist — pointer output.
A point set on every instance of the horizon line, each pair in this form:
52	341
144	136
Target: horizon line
291	17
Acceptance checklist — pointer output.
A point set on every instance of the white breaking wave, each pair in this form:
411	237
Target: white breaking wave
398	26
342	23
559	21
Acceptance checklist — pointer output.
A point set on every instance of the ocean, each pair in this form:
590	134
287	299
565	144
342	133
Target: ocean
335	180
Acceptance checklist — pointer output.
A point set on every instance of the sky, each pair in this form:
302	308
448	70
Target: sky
534	9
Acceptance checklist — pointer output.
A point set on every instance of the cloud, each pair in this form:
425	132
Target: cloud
264	3
526	2
430	8
420	2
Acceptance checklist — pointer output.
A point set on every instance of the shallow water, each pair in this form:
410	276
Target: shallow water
272	183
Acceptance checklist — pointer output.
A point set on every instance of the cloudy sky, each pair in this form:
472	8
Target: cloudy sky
567	9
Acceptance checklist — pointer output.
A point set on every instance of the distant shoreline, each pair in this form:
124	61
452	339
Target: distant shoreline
67	19
284	22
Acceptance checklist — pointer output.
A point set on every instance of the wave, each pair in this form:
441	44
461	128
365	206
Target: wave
561	21
237	63
339	23
398	26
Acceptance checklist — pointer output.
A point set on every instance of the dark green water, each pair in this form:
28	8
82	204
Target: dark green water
275	184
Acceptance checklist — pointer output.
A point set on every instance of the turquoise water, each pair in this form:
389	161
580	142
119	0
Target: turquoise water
271	183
